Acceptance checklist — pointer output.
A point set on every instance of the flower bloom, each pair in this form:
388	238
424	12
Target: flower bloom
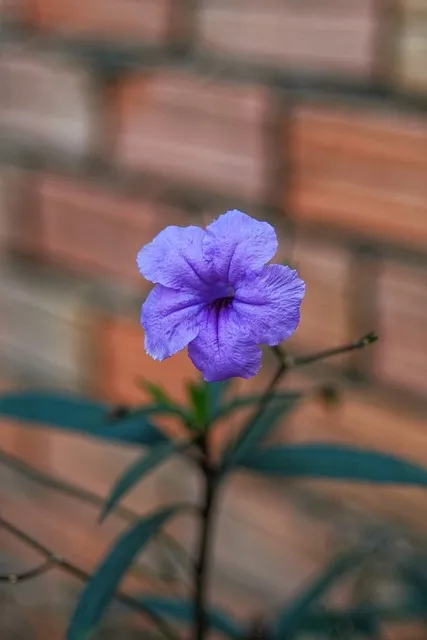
216	294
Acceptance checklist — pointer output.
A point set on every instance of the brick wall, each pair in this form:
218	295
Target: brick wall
118	118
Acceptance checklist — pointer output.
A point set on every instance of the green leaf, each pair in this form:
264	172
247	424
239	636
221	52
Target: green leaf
138	470
156	392
256	431
242	402
74	413
182	610
199	403
334	462
205	399
163	402
104	582
294	614
216	392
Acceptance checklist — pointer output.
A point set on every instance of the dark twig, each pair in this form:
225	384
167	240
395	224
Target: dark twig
203	554
14	578
290	362
82	575
66	488
271	388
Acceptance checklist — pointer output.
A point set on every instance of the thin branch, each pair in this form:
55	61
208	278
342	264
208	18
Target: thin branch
269	392
14	578
82	575
66	488
290	362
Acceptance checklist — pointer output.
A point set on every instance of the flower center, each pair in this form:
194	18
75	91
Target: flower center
224	300
222	303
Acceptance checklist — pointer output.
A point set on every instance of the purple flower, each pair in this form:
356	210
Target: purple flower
215	294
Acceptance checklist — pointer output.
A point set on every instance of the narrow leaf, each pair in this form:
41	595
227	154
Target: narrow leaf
104	582
294	613
216	391
256	431
199	403
137	471
181	610
164	403
334	462
156	392
74	413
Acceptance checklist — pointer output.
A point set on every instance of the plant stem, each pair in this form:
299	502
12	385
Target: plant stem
203	552
29	574
269	392
289	362
45	480
211	478
55	560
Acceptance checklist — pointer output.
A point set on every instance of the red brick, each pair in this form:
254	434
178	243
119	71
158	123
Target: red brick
360	170
329	37
139	22
123	361
19	219
46	101
401	356
362	420
195	130
90	229
325	312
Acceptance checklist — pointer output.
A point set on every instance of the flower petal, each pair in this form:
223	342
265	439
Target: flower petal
268	303
221	349
235	242
175	258
170	320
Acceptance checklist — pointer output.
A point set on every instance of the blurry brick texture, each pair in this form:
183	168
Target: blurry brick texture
332	37
92	229
141	21
19	220
325	312
354	171
194	130
363	420
124	362
44	325
412	46
361	170
11	10
402	299
46	102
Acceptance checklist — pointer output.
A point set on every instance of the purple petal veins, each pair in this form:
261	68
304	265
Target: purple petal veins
215	294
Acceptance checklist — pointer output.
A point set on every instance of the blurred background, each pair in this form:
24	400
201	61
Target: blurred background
119	117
